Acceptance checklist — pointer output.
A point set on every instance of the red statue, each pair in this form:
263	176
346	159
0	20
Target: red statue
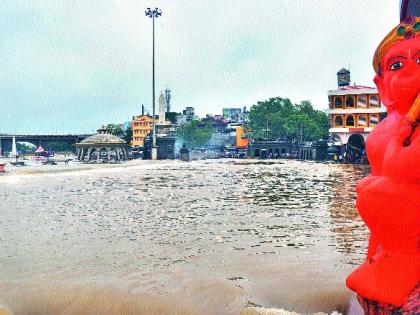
389	199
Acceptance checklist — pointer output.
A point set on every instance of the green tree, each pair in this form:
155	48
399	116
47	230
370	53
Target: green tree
267	119
300	127
171	116
193	135
116	130
320	118
24	148
278	118
128	134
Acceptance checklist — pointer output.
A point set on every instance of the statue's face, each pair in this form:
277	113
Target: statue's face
399	83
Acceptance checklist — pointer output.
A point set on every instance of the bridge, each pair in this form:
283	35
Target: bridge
49	142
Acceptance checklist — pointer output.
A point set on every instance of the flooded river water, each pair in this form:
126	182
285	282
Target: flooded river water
206	237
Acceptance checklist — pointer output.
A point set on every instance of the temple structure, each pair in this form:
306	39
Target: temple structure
102	147
354	111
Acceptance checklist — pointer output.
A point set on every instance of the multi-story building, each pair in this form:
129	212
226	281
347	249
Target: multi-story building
233	114
236	114
354	111
188	115
141	126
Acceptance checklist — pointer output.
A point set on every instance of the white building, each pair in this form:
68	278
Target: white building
187	116
162	109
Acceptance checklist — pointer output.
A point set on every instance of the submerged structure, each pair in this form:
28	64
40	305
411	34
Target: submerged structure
165	147
102	147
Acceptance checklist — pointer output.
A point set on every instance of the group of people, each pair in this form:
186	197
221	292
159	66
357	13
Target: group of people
351	156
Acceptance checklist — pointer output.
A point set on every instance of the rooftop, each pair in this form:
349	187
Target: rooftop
353	89
356	87
102	137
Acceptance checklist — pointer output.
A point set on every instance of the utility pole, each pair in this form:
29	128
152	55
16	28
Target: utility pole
155	13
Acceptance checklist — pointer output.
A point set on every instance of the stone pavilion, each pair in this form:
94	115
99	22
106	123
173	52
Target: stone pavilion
102	147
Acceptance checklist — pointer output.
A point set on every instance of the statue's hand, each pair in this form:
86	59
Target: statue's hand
410	122
414	113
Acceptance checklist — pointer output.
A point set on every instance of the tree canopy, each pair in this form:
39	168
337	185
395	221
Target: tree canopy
128	134
118	131
277	118
25	148
193	135
115	130
171	116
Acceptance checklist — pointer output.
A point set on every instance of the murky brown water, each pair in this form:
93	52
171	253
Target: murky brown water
207	237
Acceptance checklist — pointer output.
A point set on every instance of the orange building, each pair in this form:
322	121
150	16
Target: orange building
241	140
141	126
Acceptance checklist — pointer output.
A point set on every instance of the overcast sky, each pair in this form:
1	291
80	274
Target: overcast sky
70	66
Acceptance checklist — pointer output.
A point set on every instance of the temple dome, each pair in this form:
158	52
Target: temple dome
103	138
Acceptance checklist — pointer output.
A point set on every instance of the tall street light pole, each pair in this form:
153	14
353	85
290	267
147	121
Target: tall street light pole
155	13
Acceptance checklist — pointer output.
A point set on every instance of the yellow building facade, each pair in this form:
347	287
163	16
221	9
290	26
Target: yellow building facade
354	111
141	126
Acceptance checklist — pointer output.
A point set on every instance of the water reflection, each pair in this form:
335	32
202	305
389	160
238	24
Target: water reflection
349	230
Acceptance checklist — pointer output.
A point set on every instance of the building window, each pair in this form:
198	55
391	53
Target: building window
338	102
362	101
373	101
362	121
374	120
350	121
350	102
338	121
